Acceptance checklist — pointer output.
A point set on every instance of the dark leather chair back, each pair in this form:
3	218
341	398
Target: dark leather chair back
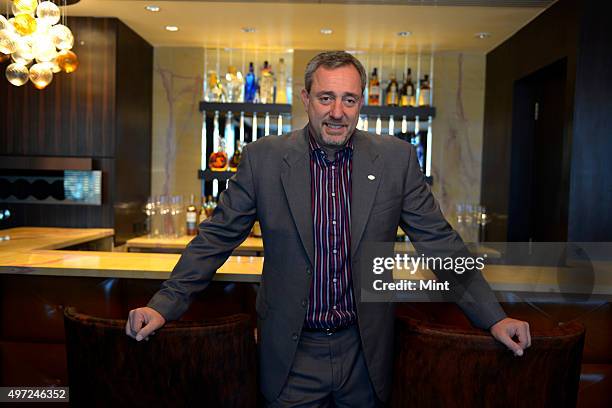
206	364
444	366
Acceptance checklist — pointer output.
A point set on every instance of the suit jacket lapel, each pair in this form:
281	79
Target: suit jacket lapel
295	177
365	179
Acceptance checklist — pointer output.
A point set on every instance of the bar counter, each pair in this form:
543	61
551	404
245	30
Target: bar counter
30	251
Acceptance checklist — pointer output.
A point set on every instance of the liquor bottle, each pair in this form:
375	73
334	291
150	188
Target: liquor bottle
233	84
420	151
218	160
211	204
392	98
202	216
191	216
266	84
425	92
407	94
250	85
374	89
215	92
235	160
281	83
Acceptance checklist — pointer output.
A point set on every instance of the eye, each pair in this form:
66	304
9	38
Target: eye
350	102
325	100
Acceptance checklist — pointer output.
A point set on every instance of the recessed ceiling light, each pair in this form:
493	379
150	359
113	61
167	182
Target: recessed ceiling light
172	28
482	35
248	29
326	31
153	9
354	52
289	50
404	33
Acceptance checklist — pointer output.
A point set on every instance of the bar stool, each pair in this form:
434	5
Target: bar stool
209	364
444	366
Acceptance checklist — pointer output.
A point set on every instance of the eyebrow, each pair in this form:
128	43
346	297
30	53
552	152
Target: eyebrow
332	93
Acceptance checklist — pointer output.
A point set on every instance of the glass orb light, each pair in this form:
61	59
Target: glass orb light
41	75
62	37
17	74
23	53
48	13
24	24
8	42
24	6
4	24
53	66
67	61
44	49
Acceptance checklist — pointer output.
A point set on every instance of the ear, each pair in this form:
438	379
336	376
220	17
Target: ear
305	98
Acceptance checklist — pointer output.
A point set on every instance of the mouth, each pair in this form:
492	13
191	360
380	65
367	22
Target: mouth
334	126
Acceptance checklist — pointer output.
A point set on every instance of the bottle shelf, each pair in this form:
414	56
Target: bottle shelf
209	175
411	112
272	108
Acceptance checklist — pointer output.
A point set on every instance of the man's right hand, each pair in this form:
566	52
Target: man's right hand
143	322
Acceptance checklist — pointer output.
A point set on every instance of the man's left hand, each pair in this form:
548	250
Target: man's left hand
506	329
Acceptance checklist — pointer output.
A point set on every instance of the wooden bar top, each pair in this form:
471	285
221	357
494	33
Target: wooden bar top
30	238
145	241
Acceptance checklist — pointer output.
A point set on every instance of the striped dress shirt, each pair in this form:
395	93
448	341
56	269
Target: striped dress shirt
332	302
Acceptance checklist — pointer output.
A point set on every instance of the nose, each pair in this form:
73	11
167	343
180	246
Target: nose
337	110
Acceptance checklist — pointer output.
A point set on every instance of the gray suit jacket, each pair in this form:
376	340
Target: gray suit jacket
273	185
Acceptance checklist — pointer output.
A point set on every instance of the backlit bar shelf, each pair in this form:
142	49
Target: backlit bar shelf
411	112
271	108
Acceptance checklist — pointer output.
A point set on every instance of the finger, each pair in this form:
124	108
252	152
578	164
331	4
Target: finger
145	331
507	341
128	325
137	321
524	335
528	335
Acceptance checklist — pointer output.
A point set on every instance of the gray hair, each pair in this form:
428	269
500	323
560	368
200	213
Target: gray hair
331	60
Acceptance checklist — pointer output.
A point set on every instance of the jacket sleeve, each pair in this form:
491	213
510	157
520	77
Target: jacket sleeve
432	235
218	236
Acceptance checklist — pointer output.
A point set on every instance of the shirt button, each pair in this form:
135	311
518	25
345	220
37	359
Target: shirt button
334	251
333	194
304	302
334	222
334	280
294	337
333	167
334	307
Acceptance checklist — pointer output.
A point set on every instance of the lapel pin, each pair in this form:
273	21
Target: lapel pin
371	177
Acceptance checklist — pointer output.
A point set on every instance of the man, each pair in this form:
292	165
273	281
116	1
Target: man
319	193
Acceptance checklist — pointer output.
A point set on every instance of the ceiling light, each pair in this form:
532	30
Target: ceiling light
172	28
248	29
404	34
326	31
153	9
289	50
482	35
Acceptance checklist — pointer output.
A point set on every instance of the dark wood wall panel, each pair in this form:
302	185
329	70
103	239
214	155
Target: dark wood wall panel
134	122
552	36
75	114
591	176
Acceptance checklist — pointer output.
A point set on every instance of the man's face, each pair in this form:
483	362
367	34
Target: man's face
333	104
